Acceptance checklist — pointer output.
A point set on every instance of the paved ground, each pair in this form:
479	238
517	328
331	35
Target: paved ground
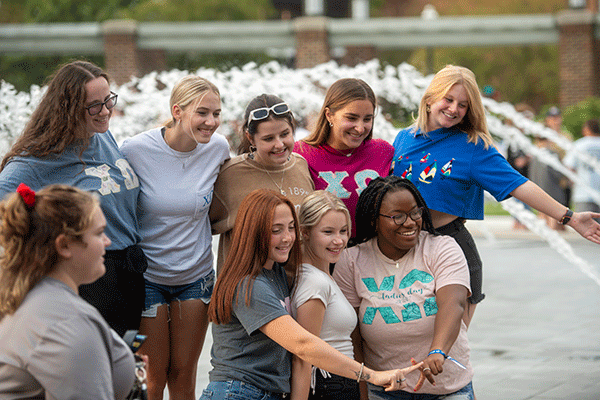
536	336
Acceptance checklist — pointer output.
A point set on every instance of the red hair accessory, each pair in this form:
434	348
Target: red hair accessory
27	194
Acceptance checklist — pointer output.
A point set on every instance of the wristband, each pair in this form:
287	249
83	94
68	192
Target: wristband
438	351
566	218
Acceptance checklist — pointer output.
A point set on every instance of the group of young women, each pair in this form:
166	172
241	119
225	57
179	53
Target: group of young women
399	299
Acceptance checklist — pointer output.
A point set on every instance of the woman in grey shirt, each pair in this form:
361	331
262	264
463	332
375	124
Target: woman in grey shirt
53	344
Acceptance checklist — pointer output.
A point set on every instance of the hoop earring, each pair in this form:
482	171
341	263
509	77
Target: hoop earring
252	148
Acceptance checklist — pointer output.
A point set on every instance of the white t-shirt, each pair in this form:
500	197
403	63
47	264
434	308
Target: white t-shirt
397	305
340	318
176	192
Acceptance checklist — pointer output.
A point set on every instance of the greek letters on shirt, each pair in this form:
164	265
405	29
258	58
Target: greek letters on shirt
108	184
409	296
334	181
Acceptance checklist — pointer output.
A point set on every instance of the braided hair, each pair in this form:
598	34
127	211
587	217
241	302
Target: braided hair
369	204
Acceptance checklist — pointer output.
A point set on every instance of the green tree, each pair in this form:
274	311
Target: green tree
194	10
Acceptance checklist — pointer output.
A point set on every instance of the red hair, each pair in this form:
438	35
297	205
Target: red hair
249	251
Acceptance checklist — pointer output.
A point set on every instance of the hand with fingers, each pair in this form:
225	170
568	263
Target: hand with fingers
428	369
394	379
586	226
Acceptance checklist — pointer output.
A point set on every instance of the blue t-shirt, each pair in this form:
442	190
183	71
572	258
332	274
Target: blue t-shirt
105	172
240	350
452	173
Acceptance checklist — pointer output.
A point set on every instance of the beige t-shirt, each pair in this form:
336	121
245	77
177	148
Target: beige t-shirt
241	175
397	306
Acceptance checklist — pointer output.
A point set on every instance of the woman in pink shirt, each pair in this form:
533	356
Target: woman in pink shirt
341	153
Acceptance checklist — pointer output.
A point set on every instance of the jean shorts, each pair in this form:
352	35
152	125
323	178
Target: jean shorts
378	393
157	294
237	390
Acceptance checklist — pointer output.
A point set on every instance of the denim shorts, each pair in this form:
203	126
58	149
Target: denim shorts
157	294
237	390
378	393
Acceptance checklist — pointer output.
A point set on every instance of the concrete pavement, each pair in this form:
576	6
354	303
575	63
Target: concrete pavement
536	336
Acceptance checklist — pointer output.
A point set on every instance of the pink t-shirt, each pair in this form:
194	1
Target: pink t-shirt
397	305
347	174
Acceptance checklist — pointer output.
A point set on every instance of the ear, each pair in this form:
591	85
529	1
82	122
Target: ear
328	114
63	246
249	137
305	233
176	111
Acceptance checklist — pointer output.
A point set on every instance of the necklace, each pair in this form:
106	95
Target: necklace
280	186
182	160
342	153
384	258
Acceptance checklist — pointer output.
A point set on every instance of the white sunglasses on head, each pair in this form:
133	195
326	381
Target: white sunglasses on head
263	112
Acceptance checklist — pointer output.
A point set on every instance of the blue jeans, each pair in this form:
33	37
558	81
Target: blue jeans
157	294
378	393
237	390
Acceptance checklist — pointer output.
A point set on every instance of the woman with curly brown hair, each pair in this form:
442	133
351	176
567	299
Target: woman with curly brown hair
67	141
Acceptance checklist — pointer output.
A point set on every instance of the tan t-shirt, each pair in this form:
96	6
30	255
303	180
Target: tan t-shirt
241	175
397	306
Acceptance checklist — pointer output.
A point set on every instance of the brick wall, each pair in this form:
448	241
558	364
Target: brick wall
579	67
312	45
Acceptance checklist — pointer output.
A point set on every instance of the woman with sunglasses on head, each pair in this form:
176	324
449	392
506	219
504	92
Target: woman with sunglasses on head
53	344
254	335
177	165
341	153
265	160
450	156
67	141
409	288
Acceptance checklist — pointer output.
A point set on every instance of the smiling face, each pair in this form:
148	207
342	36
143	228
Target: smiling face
283	235
396	240
324	242
198	121
351	124
274	141
88	254
97	91
449	110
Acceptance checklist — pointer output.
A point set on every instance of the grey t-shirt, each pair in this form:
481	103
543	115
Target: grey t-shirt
240	350
57	346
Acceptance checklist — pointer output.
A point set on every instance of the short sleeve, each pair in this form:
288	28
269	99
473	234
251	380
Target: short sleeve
311	286
14	173
264	305
448	263
343	274
72	361
494	174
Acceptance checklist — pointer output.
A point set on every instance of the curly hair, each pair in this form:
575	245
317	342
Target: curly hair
59	119
28	235
369	204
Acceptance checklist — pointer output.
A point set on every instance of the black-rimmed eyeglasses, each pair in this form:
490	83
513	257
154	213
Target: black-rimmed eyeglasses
401	218
263	112
109	103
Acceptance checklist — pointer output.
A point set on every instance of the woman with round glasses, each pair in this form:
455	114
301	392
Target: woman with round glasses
409	288
67	141
265	160
341	152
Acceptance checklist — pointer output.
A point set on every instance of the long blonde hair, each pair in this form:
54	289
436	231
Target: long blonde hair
28	235
474	123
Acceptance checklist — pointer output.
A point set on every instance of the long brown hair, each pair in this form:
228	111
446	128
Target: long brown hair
59	119
341	93
28	235
249	251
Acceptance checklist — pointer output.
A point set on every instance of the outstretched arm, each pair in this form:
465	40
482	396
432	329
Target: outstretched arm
451	301
583	222
310	348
